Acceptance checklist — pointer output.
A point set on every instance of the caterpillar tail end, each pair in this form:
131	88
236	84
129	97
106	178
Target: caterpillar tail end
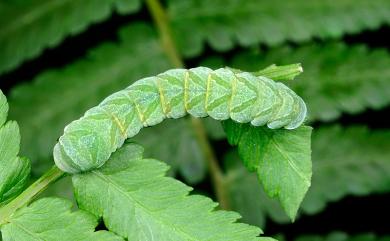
300	118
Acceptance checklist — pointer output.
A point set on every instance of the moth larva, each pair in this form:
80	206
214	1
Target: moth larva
88	142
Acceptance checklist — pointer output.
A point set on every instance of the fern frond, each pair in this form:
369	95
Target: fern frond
222	23
29	26
137	201
14	170
337	78
52	219
346	161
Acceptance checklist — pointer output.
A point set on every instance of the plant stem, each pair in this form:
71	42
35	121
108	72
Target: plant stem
30	193
217	177
161	20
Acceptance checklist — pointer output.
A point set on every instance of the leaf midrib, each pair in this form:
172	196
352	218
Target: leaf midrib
291	163
163	222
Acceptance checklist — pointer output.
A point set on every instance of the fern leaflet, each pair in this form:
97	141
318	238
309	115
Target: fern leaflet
154	206
222	23
14	170
340	169
280	158
52	219
193	22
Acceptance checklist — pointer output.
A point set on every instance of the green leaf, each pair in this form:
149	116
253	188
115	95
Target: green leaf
341	167
30	26
224	23
286	72
14	170
3	108
281	158
337	78
274	72
137	201
52	219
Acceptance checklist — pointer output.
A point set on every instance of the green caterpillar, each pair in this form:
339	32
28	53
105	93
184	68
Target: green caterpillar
88	142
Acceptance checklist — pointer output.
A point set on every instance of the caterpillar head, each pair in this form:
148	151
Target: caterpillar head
84	147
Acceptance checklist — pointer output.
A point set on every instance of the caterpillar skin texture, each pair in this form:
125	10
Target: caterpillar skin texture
88	142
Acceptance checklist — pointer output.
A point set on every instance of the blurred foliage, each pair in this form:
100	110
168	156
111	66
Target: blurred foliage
338	78
338	170
340	236
29	26
222	23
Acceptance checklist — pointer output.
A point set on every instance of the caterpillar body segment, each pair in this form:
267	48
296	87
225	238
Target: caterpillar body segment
264	106
87	143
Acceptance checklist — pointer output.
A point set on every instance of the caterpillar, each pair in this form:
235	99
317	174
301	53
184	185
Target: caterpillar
88	142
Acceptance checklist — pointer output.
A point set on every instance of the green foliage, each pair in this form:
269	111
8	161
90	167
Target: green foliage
137	201
281	159
338	78
3	109
222	23
30	26
358	164
52	219
286	72
132	195
14	170
341	167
